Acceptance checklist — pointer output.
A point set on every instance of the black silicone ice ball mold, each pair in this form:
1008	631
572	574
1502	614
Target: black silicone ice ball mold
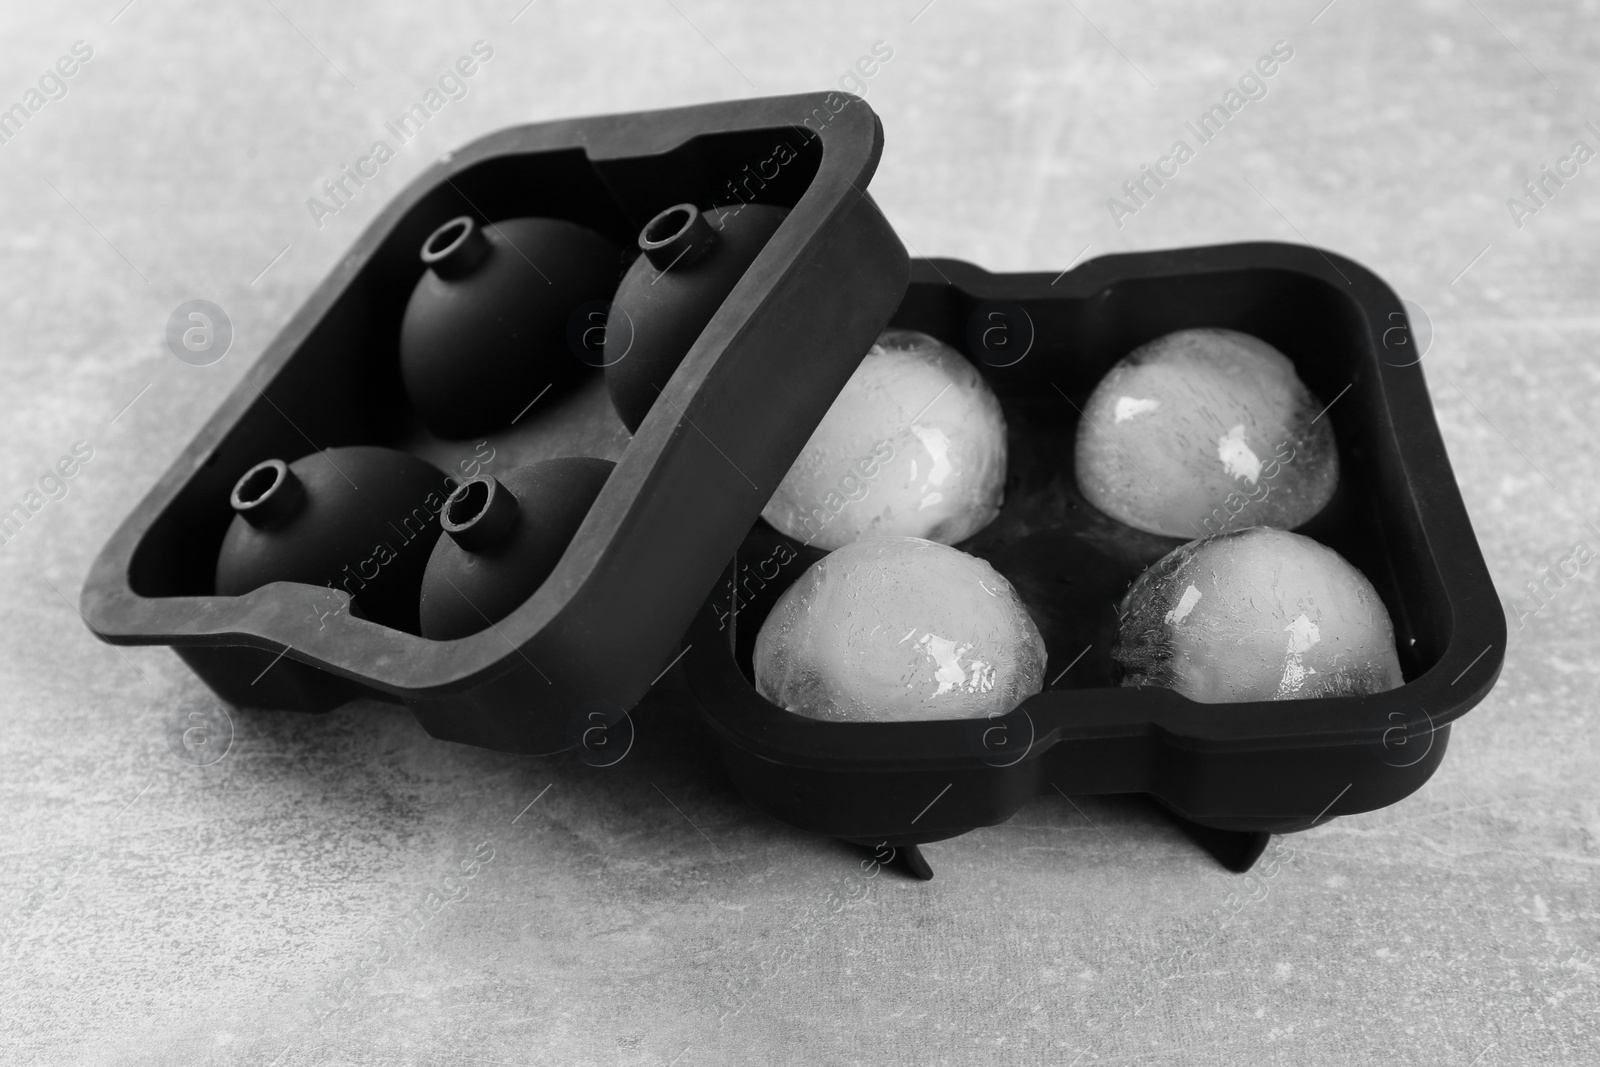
1234	772
688	487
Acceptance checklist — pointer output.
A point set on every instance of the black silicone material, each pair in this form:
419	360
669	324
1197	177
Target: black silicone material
1245	769
681	508
686	487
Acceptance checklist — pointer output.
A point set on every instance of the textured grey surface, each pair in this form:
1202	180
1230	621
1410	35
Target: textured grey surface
160	912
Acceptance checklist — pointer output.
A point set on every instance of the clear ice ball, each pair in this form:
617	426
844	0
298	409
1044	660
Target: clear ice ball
1202	432
914	445
899	628
1258	614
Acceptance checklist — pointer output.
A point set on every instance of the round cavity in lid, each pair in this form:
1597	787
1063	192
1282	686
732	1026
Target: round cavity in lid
669	224
467	503
446	239
257	483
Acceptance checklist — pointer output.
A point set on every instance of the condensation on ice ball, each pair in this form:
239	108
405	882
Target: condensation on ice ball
1257	614
899	628
914	445
1202	432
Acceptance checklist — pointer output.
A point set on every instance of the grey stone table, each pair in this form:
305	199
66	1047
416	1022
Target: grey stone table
286	904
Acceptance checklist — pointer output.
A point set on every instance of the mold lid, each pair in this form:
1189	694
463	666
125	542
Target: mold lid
691	482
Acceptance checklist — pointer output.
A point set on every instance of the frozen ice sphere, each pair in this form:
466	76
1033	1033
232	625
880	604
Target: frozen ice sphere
899	628
914	445
1205	431
1257	614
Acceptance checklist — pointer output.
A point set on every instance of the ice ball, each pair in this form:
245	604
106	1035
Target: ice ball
1202	432
914	446
899	628
1257	614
